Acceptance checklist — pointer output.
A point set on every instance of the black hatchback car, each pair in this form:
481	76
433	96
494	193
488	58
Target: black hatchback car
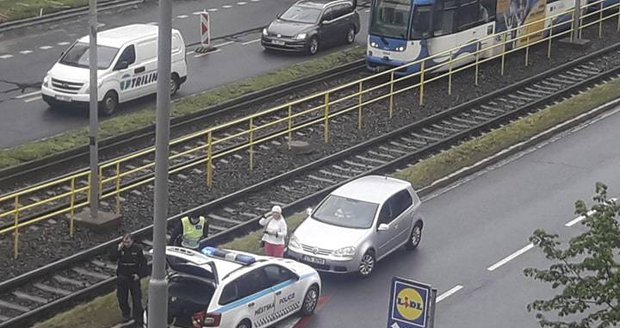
308	25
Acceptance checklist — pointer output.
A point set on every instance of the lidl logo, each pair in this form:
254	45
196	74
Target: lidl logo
409	304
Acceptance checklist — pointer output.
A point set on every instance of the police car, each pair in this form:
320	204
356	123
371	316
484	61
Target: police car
228	289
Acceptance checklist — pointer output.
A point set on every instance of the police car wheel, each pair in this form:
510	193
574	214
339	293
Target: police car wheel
350	35
415	237
310	301
174	85
367	264
109	104
244	324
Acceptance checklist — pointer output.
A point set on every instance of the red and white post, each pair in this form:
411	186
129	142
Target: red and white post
205	33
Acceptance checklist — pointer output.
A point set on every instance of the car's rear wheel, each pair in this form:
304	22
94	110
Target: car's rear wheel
350	37
313	45
244	324
310	301
367	264
109	104
415	236
174	85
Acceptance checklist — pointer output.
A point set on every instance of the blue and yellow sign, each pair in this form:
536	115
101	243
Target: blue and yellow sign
409	304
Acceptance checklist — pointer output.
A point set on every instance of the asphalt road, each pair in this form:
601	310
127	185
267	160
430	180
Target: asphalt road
471	227
27	54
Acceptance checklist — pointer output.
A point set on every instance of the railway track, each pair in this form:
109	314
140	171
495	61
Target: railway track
55	286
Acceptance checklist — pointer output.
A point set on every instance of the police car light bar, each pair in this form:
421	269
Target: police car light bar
228	255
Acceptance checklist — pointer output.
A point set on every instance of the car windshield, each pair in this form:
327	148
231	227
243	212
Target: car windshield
390	18
78	56
420	25
301	14
346	212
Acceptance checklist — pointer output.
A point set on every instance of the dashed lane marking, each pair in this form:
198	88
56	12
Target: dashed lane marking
7	56
250	42
64	43
226	6
212	9
182	16
45	47
33	99
510	257
26	95
448	293
25	52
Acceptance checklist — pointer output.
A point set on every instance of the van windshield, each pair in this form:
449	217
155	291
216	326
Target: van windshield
346	212
78	54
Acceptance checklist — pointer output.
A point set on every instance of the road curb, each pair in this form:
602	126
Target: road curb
517	148
63	14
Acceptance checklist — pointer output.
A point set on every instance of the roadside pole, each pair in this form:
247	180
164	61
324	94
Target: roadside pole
92	113
576	21
158	291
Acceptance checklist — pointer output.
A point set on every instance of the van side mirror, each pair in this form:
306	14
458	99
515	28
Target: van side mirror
383	227
121	65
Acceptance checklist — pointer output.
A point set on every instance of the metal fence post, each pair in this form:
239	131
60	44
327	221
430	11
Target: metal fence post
100	181
477	60
391	93
422	83
450	74
290	126
326	134
359	108
618	27
251	143
550	39
71	223
118	187
527	50
210	159
16	234
600	23
505	38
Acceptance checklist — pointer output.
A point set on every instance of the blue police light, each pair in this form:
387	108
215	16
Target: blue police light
227	255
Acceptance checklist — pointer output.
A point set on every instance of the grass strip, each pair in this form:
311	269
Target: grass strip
421	174
189	105
15	10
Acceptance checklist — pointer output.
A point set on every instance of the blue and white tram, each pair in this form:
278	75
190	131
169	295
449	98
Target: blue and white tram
403	31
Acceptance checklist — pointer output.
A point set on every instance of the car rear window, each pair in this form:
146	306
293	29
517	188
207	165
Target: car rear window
346	212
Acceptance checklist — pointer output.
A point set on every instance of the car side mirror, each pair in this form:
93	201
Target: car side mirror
121	65
383	227
309	211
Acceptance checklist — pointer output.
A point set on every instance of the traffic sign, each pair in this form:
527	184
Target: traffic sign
205	29
410	304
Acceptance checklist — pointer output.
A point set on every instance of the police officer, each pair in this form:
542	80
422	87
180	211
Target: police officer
189	231
131	267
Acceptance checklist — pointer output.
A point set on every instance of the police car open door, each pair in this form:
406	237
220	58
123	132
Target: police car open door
288	293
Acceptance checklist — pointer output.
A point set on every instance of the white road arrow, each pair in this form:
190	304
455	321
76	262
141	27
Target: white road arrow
395	325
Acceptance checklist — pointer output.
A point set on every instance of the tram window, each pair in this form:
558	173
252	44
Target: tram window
444	22
490	8
468	16
421	26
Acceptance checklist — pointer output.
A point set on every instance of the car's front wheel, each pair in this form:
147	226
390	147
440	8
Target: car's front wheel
109	105
244	324
367	264
310	301
313	46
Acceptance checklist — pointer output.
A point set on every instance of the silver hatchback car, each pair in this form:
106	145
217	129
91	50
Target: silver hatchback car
358	224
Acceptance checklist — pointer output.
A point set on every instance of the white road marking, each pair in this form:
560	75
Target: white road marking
448	293
249	42
255	0
226	6
223	44
25	52
33	99
182	16
367	10
208	53
26	95
212	9
578	219
242	3
64	43
197	13
151	23
45	47
190	52
7	56
510	257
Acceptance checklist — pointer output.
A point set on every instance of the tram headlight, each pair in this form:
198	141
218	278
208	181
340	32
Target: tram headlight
374	44
401	49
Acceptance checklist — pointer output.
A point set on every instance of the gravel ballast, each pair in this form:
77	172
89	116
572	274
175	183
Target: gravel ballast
50	241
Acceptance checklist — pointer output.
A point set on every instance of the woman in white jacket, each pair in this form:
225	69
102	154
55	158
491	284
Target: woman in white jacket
275	232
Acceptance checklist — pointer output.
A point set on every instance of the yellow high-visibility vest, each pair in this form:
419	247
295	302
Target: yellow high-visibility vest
192	232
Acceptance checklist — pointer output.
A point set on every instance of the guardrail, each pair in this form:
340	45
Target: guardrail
246	134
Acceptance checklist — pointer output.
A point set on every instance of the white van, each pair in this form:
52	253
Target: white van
127	68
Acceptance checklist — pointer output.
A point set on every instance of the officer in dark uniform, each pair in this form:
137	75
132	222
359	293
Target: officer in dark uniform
131	267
